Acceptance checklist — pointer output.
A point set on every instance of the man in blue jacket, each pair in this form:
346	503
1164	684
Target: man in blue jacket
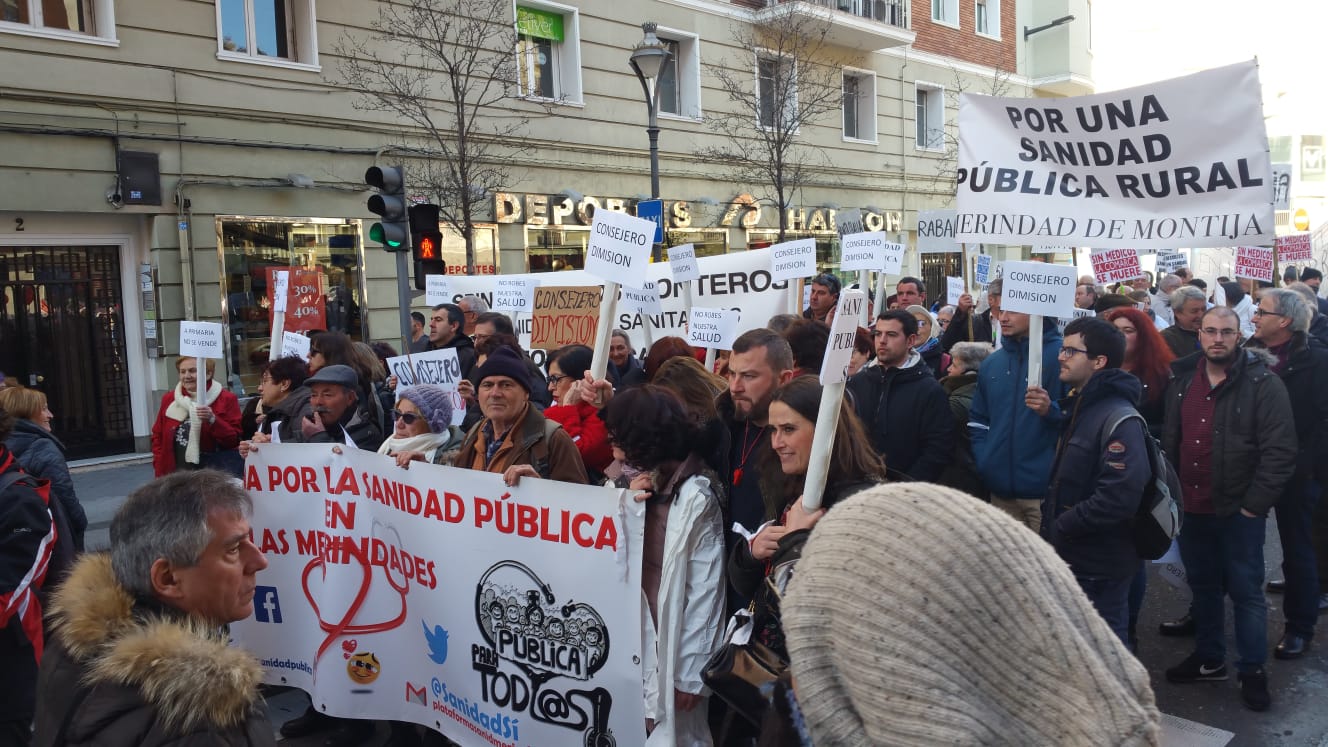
1013	443
1099	477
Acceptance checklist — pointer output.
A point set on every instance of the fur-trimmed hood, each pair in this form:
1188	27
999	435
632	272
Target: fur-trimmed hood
180	667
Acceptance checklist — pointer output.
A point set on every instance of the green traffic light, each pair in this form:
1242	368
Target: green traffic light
376	233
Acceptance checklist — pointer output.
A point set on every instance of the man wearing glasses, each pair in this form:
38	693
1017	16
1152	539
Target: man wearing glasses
1230	433
1098	478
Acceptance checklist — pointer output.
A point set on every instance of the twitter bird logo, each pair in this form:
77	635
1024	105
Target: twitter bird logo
437	640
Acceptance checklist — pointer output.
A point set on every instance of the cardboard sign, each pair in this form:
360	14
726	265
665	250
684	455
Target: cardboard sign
793	260
713	328
294	344
1116	265
436	290
1038	288
515	295
1169	261
619	248
954	288
440	367
280	290
645	300
862	251
306	303
682	262
982	272
1296	247
1176	163
1281	186
565	315
849	222
936	231
894	259
843	333
202	339
1254	262
408	595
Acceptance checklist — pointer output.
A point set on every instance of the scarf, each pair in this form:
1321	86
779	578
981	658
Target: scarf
428	443
184	409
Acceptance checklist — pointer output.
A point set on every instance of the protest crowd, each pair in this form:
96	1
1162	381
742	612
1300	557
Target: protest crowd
962	506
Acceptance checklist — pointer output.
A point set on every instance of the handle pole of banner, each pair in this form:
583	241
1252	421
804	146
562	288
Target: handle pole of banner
647	330
599	363
823	445
1035	350
864	282
686	298
278	329
881	288
795	303
710	359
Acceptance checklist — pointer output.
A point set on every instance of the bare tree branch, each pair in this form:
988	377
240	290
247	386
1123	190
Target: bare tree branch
999	84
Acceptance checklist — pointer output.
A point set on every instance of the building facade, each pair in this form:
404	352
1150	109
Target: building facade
159	160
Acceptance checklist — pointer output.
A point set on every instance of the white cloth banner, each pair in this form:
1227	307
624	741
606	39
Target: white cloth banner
1177	163
936	231
442	597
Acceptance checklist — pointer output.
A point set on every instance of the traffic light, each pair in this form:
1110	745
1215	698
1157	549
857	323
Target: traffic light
390	203
426	246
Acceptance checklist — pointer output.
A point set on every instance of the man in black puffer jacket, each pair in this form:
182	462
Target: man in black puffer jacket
904	409
1098	478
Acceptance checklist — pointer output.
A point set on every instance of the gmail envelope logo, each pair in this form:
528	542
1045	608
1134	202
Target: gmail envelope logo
416	695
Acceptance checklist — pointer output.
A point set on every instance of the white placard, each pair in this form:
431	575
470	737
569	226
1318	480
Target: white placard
514	294
793	260
517	631
843	333
619	249
1176	163
1281	186
202	339
1116	265
1254	262
982	273
441	367
280	291
682	263
862	251
645	300
954	288
712	328
849	222
1295	247
1038	288
436	290
1064	321
936	231
1170	261
894	259
294	344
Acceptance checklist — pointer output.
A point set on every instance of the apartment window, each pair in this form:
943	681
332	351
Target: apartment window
929	116
547	50
1312	162
669	100
80	20
776	90
945	11
279	32
859	105
987	17
680	78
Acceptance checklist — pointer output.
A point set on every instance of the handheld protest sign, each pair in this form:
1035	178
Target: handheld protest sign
982	269
1038	289
619	252
515	295
834	374
294	344
793	260
682	263
440	367
1116	265
712	328
1295	247
565	315
436	290
644	300
1255	263
843	333
280	292
864	252
202	339
954	288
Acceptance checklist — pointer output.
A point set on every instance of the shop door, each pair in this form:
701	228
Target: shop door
936	268
62	331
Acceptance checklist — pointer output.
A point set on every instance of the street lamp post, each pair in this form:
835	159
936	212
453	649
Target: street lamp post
648	60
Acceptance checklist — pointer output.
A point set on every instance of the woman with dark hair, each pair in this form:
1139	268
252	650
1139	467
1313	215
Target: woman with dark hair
697	388
567	366
281	394
664	349
807	339
1148	357
682	558
854	466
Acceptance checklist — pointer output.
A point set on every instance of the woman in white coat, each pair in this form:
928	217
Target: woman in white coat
682	581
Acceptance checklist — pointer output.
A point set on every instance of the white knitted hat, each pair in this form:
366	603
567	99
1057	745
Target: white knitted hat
918	615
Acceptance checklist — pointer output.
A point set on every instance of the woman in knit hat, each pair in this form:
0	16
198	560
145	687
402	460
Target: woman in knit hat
920	616
422	430
929	347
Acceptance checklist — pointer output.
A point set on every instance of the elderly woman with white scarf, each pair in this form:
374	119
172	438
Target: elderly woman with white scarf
191	426
422	427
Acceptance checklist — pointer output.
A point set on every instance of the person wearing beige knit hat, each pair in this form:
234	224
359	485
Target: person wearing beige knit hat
918	615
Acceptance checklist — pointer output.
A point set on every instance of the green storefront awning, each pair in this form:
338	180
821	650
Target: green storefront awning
540	24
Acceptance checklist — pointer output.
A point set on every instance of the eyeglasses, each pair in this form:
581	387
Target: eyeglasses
408	417
1212	332
555	378
1261	312
1069	352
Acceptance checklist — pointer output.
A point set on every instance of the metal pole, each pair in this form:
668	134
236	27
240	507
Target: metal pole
403	299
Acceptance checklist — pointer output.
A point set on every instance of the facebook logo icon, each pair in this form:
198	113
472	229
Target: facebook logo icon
267	608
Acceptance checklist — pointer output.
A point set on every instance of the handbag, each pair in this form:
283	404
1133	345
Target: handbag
743	671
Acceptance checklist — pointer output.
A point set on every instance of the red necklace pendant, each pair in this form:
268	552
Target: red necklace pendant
737	476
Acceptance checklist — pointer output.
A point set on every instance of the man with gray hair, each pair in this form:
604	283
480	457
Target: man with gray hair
1319	322
1162	299
139	652
1281	323
1187	308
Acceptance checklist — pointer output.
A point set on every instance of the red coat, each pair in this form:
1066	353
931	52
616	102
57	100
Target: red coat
219	435
582	423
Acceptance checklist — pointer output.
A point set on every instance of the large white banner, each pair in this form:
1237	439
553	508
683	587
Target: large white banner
1178	163
439	596
740	280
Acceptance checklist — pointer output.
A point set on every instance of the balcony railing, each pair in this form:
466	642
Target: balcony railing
890	12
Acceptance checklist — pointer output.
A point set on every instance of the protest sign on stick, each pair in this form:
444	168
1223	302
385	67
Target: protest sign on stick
618	253
834	374
793	261
436	290
1295	247
1038	289
712	328
280	293
1254	262
565	315
1116	265
202	339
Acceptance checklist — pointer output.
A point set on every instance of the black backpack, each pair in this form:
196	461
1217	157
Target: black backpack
1157	522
